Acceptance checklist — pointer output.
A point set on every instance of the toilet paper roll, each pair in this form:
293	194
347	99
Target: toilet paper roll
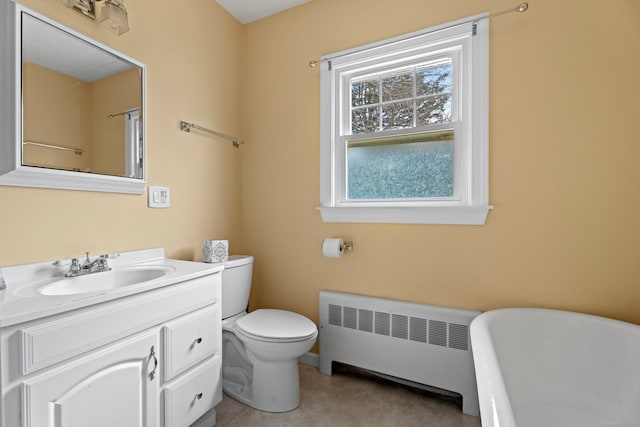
215	250
333	248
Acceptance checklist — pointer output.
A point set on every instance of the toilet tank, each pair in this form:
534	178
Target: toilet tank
236	284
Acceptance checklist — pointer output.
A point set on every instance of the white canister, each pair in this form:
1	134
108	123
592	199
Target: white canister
215	250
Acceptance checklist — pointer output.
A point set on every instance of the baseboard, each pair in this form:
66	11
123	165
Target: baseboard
311	359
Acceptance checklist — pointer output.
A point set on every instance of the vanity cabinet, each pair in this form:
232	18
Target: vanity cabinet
152	359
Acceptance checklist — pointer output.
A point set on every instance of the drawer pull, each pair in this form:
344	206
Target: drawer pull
152	374
198	341
198	396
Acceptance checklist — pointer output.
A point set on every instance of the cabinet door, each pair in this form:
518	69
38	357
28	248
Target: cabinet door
113	386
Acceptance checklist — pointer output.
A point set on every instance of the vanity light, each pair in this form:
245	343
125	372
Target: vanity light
86	7
113	16
68	3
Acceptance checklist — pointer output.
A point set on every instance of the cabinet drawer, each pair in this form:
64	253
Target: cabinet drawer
191	339
69	335
190	396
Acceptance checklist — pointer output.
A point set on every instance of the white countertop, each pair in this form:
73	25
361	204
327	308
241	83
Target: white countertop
21	301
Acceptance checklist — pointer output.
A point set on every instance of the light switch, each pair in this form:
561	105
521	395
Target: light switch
159	197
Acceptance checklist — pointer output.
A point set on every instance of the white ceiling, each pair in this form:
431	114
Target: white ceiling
247	11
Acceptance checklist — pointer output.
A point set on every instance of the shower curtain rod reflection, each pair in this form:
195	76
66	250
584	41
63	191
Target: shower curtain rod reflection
112	115
522	7
186	127
77	151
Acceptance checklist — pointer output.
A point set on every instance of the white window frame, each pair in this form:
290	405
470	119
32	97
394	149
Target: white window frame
467	43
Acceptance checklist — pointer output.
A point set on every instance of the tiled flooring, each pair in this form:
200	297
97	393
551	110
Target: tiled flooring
351	398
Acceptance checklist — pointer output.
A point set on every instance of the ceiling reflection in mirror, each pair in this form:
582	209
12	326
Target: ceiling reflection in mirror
81	105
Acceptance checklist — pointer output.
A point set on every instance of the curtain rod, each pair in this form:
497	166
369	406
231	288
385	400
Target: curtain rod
77	151
522	7
112	115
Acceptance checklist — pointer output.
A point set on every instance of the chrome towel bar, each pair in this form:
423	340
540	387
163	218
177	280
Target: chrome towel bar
186	127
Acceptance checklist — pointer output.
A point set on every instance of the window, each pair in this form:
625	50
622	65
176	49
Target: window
404	129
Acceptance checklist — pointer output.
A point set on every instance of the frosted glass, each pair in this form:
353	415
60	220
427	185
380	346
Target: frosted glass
415	170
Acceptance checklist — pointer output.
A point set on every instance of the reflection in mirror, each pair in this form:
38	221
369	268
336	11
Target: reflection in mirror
81	104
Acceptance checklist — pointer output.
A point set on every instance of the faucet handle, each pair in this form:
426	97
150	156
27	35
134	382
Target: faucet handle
110	256
75	265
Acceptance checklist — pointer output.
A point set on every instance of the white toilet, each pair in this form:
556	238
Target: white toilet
260	349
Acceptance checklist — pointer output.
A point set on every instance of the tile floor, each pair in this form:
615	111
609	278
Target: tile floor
351	398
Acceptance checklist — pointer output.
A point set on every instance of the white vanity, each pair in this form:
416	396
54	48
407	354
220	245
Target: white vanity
139	345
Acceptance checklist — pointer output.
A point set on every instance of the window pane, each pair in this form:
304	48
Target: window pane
433	80
434	109
397	115
364	93
390	168
397	86
365	119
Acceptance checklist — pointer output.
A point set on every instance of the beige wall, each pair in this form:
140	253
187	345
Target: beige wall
194	60
564	172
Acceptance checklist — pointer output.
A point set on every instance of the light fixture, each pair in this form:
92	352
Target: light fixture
68	3
86	7
113	16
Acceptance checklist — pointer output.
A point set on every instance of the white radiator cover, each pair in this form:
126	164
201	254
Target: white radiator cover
422	343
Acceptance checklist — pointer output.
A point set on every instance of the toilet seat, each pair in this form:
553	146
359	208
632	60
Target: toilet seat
276	326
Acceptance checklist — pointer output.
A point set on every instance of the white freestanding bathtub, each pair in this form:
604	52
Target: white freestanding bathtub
547	368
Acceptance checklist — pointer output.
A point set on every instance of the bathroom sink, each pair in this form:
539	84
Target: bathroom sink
116	278
37	290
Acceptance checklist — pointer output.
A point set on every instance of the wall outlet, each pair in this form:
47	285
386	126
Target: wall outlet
159	197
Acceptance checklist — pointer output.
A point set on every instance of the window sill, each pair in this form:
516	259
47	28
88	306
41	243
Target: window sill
460	215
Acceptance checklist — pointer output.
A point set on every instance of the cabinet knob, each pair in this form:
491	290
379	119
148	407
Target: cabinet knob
198	340
199	396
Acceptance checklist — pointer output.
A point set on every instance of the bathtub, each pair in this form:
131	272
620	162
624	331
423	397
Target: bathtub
546	368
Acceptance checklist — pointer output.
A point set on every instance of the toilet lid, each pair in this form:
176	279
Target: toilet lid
276	325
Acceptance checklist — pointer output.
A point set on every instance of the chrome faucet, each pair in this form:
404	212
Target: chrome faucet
98	265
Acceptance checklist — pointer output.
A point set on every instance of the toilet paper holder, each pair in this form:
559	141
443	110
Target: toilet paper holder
347	245
335	248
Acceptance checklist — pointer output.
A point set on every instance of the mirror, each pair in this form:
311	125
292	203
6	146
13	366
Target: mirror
79	111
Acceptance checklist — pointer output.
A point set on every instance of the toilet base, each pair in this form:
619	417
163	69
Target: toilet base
274	395
276	385
271	385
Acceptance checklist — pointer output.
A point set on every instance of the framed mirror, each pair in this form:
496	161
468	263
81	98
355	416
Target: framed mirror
76	120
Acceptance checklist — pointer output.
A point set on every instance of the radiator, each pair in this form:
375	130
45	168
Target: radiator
420	343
